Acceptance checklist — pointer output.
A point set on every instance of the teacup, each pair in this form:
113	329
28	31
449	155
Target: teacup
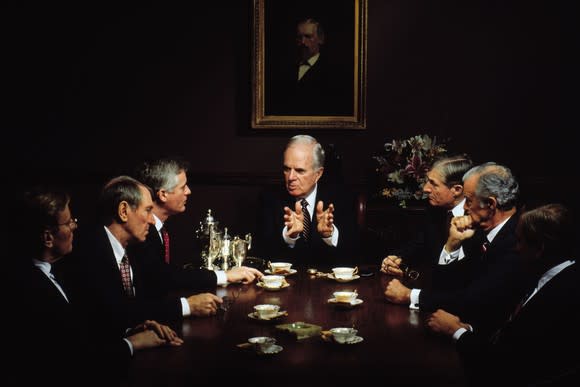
262	344
344	273
280	267
345	296
273	281
266	311
343	335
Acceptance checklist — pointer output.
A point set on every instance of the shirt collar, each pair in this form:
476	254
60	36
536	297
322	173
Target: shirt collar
494	231
44	266
118	249
458	209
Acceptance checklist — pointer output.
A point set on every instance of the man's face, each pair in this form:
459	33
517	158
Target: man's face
299	174
63	233
139	219
439	194
481	215
308	40
177	198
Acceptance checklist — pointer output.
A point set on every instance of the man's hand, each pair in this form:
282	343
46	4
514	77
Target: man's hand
461	228
325	219
152	334
294	220
204	304
391	264
397	293
243	274
444	323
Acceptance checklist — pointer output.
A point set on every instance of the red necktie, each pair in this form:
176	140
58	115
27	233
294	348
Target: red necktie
126	276
165	236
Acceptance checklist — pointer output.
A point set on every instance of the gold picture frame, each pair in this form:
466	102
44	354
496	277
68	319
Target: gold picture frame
280	100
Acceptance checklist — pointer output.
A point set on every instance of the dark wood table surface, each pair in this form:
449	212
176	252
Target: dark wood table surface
396	350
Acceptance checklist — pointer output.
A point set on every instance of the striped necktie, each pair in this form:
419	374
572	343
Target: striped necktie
306	224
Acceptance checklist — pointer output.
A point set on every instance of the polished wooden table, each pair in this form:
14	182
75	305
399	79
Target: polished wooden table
397	349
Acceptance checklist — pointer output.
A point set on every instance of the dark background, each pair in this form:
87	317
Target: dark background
92	89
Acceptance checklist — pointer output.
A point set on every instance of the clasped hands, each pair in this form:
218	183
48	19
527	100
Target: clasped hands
152	334
294	220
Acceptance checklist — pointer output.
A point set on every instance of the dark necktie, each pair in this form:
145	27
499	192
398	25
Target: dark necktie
126	276
165	236
485	246
306	222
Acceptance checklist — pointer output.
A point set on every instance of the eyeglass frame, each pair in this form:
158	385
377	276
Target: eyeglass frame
408	271
70	223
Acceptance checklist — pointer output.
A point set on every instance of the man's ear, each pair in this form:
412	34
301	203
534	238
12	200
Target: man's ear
457	190
123	211
491	202
319	173
47	238
162	195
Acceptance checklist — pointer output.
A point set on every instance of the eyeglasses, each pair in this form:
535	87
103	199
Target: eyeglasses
72	223
409	272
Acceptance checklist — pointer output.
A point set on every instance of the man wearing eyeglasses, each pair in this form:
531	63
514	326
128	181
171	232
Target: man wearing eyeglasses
51	318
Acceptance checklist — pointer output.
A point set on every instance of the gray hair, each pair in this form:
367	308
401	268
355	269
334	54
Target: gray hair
317	150
161	174
117	190
452	168
495	181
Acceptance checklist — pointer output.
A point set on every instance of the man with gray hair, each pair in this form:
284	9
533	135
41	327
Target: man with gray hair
482	243
299	222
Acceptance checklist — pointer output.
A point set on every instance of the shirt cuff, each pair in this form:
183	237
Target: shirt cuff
333	239
130	345
458	333
185	311
446	258
222	278
414	299
289	241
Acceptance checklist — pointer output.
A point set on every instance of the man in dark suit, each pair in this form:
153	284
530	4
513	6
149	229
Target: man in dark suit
481	250
50	321
444	188
537	345
298	223
167	178
315	84
115	286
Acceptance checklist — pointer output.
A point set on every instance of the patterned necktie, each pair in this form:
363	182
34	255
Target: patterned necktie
126	276
165	236
306	224
485	246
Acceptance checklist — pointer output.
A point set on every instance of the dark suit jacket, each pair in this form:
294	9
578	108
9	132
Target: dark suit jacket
94	279
325	89
487	286
539	344
159	278
270	245
59	339
426	246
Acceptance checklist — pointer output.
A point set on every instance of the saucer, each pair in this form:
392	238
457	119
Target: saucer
279	314
354	340
354	277
273	350
356	302
292	271
284	285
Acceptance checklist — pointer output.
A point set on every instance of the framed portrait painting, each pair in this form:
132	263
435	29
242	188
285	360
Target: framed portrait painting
309	64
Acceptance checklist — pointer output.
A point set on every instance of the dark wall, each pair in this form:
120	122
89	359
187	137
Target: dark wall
106	87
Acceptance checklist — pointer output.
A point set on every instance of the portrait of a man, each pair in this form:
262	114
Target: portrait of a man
310	61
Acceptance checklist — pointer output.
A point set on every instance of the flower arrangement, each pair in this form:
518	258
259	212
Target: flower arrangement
403	166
